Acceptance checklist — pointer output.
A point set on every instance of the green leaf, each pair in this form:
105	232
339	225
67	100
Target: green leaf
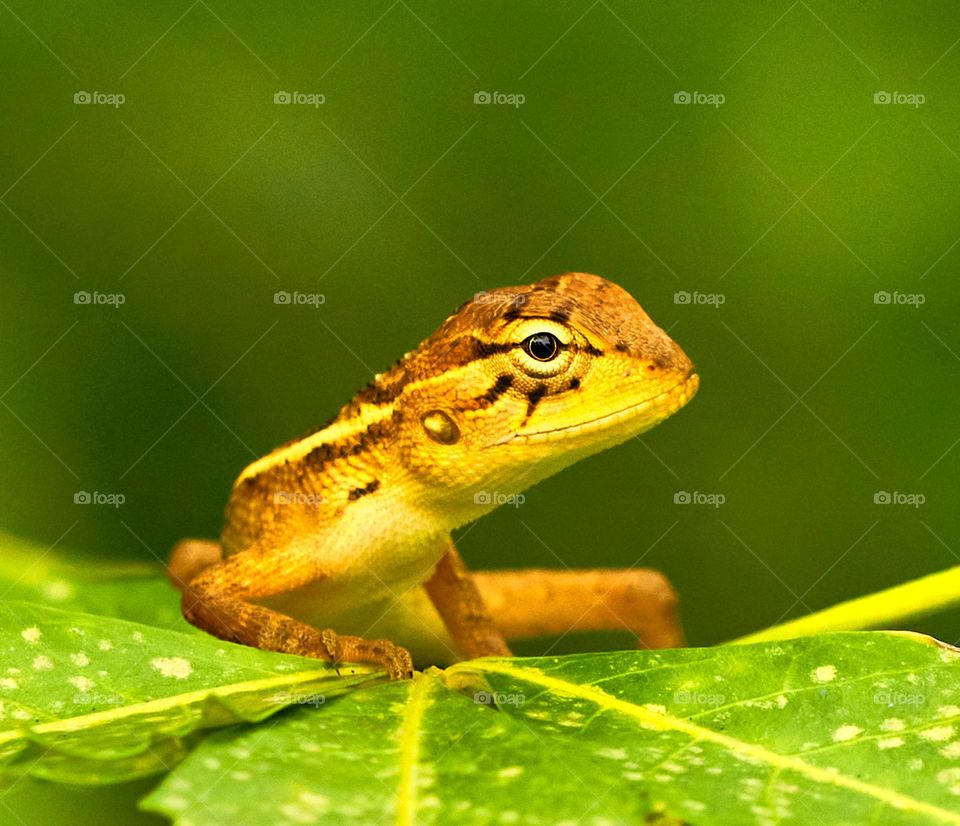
131	590
847	728
88	699
844	728
410	752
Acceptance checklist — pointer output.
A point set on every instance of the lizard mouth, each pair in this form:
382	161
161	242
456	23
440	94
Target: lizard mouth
672	399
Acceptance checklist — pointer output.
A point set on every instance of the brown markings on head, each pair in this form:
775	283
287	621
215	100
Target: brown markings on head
562	314
503	383
367	489
533	399
483	349
600	309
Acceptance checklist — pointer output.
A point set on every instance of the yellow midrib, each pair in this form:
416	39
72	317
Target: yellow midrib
663	722
84	721
409	755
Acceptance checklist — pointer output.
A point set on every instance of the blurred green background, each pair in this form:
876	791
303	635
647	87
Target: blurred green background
165	398
793	203
695	198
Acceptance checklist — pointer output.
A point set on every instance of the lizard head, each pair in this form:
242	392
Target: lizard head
521	382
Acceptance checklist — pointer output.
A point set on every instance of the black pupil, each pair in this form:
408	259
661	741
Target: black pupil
543	346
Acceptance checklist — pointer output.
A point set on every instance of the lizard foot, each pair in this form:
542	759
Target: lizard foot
393	658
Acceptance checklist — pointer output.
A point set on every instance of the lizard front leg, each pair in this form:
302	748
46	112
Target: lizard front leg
461	607
217	600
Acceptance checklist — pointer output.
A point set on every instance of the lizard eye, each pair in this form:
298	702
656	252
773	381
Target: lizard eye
542	346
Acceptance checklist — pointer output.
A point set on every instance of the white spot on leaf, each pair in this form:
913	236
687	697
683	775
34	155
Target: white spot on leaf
952	751
950	777
315	801
938	734
81	683
823	673
31	634
172	801
845	733
172	666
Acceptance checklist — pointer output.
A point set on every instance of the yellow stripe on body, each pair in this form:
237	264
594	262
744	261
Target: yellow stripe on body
344	429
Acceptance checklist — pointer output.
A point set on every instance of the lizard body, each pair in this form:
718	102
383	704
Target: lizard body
344	527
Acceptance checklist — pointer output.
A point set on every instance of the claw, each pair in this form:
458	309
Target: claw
400	666
331	642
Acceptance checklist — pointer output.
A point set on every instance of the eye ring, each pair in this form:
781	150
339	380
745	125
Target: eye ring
542	346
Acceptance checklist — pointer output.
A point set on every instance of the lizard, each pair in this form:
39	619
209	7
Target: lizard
347	529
